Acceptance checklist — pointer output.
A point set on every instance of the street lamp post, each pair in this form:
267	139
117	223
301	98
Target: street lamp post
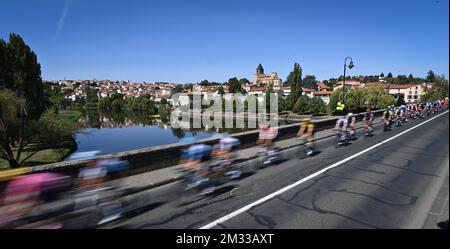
350	66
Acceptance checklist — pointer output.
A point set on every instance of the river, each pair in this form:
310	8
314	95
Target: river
111	132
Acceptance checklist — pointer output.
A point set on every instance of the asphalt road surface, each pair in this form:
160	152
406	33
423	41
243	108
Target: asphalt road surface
392	185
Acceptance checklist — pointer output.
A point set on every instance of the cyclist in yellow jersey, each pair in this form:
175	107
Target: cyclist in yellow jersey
306	132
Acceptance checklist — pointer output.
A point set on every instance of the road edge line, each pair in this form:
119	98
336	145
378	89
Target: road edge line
280	191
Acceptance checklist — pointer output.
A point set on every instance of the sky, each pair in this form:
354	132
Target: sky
191	40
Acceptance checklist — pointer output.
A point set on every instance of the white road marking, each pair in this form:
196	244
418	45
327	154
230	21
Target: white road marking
274	194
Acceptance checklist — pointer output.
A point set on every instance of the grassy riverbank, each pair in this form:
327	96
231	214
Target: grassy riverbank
52	155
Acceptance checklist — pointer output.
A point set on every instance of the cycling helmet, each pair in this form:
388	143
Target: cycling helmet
229	143
199	151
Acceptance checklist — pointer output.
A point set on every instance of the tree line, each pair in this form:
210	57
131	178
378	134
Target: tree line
28	120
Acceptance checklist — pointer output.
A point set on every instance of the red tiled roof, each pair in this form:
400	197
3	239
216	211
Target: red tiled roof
375	84
323	92
321	85
398	86
256	88
350	82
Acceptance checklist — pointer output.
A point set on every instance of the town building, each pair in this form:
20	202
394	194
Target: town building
411	93
324	95
260	78
349	84
308	92
322	87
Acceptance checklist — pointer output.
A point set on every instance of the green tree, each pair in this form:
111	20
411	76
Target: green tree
373	96
55	97
281	103
178	88
21	73
91	94
438	91
389	78
244	81
234	85
268	99
205	83
104	104
153	109
316	105
285	103
19	132
410	79
309	81
334	99
356	99
135	104
23	101
5	75
331	83
301	106
385	100
144	104
295	82
402	79
115	96
117	104
431	77
221	90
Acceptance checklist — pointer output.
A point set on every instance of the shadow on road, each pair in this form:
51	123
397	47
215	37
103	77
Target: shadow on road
280	161
221	191
443	224
133	213
245	175
194	198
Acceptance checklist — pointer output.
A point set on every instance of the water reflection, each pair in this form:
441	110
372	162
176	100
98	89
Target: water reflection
114	131
121	119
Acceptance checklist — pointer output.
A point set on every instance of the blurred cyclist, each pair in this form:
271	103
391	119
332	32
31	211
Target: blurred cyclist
341	127
306	132
266	136
196	162
351	121
226	152
368	119
387	118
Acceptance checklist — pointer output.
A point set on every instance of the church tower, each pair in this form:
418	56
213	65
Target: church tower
260	69
259	74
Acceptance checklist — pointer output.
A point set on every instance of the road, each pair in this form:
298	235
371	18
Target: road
391	185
